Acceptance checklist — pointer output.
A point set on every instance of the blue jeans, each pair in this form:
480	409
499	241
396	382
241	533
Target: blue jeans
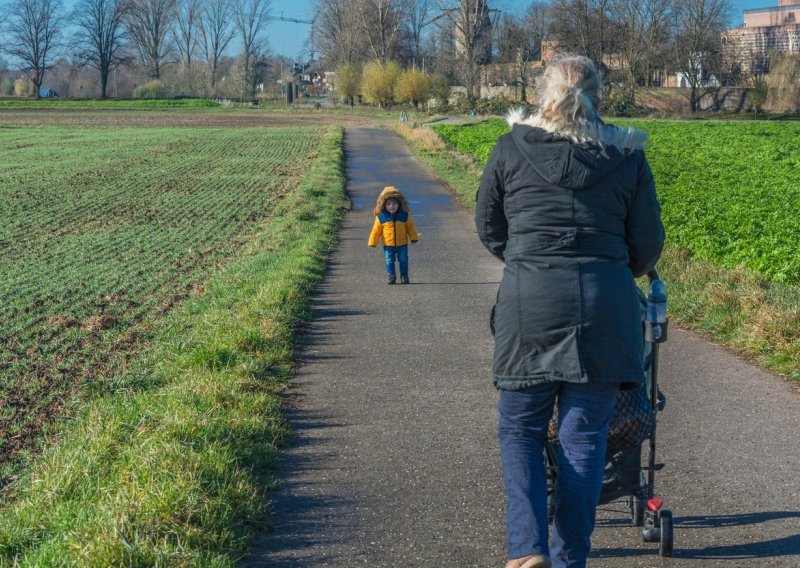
401	253
584	412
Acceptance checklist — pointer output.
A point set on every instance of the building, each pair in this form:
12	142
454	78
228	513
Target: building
765	31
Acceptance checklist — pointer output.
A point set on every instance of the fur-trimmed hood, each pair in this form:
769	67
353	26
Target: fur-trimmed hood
572	155
582	131
390	192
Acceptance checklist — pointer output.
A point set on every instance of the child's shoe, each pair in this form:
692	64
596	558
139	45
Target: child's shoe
391	279
404	279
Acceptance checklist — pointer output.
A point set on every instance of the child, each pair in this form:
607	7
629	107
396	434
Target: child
393	223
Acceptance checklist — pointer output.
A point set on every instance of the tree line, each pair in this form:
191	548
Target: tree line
108	34
636	42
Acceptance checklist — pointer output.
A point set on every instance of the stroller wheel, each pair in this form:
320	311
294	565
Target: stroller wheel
667	539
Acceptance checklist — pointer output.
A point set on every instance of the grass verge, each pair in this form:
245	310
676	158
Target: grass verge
109	104
167	463
460	172
735	307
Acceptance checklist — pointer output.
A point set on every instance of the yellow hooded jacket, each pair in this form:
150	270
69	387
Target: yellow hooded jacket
397	229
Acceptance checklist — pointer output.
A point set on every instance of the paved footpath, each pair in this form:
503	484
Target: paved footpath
395	461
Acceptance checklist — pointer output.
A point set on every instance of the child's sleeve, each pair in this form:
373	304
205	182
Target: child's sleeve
411	230
375	235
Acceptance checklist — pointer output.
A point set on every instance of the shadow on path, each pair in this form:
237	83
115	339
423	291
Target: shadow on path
774	548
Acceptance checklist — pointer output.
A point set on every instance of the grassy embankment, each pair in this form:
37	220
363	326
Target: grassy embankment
730	195
152	285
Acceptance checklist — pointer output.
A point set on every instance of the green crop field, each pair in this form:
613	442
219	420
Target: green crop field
152	281
730	197
101	231
730	191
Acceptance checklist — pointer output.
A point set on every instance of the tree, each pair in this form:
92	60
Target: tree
186	30
99	36
642	34
519	42
583	27
335	34
380	22
414	86
417	18
379	81
148	23
34	30
440	91
697	45
251	17
216	33
472	28
783	82
348	81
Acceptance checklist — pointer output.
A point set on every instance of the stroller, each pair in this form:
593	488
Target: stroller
633	424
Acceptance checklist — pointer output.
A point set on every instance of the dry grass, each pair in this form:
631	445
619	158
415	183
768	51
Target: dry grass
422	138
461	173
737	308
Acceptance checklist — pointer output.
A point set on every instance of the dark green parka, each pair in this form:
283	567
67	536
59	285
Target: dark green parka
574	222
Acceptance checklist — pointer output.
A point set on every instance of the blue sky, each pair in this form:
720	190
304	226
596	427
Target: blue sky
288	38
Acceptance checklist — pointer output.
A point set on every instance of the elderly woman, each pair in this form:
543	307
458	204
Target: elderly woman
568	203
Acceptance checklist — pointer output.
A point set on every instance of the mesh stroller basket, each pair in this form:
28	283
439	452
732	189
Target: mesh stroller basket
630	425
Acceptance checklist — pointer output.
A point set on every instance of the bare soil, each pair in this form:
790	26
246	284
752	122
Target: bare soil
192	118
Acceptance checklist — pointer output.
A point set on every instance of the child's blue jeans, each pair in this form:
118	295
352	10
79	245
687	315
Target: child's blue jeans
401	253
584	412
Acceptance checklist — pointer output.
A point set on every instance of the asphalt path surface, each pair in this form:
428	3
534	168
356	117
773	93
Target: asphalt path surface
395	460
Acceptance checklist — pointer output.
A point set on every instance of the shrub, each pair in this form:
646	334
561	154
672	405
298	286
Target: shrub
440	91
413	86
784	84
348	81
379	81
7	87
153	89
22	88
498	104
621	102
757	94
462	103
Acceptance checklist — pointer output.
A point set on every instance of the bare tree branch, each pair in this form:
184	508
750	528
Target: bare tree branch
186	30
35	28
472	27
697	43
99	36
216	33
251	17
335	34
149	28
380	22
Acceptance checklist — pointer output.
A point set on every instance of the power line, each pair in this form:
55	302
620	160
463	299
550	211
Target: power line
295	20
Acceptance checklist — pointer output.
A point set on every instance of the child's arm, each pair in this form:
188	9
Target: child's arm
411	230
377	232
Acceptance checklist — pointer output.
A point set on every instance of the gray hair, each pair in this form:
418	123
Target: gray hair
569	90
568	96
